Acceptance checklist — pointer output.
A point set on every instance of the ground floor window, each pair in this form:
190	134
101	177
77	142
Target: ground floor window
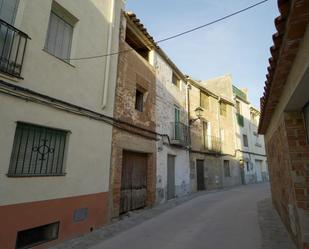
37	151
227	170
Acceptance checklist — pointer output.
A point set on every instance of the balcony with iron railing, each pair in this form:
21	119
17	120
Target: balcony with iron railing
13	44
179	134
212	144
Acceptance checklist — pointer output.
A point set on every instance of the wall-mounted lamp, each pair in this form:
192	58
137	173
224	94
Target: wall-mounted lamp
198	112
241	162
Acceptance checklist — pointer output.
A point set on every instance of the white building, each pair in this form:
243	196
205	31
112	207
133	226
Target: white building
173	172
55	144
250	147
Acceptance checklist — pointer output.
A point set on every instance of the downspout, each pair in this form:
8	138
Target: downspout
108	58
219	122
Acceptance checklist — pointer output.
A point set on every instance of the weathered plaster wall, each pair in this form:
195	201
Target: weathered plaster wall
169	96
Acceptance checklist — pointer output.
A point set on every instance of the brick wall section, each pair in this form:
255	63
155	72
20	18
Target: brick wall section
133	72
288	157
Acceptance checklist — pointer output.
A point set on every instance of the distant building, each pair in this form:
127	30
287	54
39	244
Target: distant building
250	147
285	118
212	156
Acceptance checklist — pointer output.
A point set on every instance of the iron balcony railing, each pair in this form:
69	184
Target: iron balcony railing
179	134
212	144
13	44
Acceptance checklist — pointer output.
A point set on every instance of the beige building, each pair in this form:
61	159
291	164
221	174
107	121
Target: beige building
55	114
212	157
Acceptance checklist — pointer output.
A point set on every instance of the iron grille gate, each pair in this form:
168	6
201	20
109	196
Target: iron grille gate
37	151
133	181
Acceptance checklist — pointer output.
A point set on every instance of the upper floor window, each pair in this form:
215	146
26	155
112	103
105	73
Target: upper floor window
175	80
223	109
139	100
245	140
204	100
60	32
37	151
8	9
238	107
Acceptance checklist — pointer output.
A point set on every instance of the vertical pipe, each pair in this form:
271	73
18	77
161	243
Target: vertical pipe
108	58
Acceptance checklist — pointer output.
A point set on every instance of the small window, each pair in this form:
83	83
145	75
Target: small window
36	236
139	100
204	100
223	109
238	107
245	140
248	166
175	80
37	151
60	32
227	170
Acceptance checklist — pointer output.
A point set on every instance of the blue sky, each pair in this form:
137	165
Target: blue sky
238	46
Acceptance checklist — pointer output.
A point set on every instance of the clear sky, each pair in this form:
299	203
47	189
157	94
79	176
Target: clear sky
238	46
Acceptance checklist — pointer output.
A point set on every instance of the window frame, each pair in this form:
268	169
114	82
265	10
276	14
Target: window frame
12	170
223	111
175	77
226	165
139	100
245	141
206	99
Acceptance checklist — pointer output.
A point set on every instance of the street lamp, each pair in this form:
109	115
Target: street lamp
198	112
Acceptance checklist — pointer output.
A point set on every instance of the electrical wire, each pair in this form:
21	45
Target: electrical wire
176	35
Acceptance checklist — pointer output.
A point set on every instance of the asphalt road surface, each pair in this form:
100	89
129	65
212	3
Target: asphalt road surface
219	220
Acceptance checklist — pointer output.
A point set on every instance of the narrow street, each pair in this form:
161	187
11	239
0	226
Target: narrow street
219	220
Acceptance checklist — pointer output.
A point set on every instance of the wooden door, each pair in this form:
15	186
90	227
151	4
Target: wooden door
170	177
133	181
200	175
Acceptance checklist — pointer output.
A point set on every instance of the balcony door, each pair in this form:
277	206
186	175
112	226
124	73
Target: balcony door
177	122
8	9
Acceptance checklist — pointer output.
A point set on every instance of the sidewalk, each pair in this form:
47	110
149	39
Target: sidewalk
274	234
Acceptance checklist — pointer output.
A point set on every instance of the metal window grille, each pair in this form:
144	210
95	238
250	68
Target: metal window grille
227	170
37	151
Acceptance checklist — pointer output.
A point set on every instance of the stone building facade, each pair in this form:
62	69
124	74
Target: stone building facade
250	146
173	178
133	164
285	118
55	113
212	157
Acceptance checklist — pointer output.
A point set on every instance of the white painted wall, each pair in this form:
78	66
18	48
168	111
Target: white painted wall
82	83
169	95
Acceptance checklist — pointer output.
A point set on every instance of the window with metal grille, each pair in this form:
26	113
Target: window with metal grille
37	151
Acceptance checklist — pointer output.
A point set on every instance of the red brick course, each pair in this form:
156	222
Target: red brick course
288	158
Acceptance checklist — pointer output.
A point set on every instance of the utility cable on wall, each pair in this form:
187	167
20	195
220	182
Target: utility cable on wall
176	35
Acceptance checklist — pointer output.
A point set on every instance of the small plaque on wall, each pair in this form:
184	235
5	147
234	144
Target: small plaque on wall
80	214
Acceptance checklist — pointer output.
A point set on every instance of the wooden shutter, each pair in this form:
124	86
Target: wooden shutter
204	100
59	37
8	9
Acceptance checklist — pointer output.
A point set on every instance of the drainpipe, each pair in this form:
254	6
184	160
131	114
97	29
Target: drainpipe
219	122
108	58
